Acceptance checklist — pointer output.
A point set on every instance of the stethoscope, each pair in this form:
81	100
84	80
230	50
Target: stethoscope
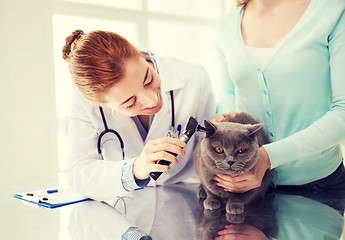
171	133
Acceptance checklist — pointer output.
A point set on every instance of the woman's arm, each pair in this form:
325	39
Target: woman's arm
224	87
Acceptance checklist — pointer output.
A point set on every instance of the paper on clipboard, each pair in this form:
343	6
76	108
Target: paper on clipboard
52	198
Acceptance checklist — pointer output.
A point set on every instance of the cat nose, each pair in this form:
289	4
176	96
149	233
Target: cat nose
231	163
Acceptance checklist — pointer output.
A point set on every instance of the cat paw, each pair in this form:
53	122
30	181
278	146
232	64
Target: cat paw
212	204
234	212
202	193
201	202
213	213
234	208
235	218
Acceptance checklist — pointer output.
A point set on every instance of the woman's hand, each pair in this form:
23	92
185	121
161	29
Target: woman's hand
249	180
154	151
241	232
220	117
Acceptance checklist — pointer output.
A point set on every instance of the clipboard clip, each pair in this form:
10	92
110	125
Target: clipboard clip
31	197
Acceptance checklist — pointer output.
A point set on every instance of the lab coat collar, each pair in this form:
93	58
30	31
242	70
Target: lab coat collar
168	75
128	125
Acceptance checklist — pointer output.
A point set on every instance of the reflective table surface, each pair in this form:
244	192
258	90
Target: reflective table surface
170	212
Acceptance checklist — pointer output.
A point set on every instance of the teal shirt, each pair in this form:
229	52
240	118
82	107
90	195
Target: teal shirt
298	94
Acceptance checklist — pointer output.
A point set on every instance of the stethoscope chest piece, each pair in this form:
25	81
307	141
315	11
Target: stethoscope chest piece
173	133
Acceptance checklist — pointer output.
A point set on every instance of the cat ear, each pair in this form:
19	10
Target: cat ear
210	128
253	128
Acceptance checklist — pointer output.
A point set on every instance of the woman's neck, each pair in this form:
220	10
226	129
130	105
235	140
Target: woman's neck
145	121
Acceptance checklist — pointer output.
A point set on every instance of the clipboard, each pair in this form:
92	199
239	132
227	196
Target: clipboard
52	198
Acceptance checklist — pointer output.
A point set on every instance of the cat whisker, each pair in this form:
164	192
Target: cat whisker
240	164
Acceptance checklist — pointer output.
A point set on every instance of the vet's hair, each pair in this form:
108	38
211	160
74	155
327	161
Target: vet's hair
241	2
96	61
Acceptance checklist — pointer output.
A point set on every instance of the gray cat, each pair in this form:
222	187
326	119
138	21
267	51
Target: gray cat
259	215
231	148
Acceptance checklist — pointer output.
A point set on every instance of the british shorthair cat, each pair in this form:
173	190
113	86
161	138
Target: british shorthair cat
231	148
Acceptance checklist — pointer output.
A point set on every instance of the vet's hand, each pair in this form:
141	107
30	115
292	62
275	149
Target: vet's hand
249	180
154	151
220	117
241	232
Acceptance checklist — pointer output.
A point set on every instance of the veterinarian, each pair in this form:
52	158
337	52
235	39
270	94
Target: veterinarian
124	104
283	62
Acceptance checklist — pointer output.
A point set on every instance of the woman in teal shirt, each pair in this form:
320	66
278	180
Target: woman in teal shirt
284	62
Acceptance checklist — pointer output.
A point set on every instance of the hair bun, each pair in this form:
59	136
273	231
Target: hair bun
66	50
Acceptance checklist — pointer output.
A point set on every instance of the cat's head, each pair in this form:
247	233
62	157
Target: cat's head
230	148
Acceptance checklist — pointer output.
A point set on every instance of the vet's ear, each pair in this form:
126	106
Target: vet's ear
210	128
253	128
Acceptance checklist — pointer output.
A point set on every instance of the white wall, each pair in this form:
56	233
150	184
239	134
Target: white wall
28	118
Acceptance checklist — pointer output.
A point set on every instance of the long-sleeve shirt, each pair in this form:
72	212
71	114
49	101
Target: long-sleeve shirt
298	94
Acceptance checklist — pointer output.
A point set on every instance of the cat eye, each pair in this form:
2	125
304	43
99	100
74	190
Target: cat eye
218	150
241	150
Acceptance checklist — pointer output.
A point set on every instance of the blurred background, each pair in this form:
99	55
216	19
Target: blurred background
35	82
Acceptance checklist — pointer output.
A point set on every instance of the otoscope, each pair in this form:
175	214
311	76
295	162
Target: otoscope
190	129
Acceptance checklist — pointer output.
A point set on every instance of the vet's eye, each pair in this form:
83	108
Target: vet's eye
241	150
218	150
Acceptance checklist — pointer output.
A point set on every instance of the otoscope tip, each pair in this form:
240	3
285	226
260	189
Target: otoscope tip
201	128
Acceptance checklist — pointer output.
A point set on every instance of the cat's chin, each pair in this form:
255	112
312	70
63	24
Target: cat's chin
236	172
234	169
230	172
239	170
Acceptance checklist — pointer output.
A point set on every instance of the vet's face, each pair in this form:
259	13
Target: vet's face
138	92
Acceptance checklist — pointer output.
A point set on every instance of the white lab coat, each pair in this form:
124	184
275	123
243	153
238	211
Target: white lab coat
101	179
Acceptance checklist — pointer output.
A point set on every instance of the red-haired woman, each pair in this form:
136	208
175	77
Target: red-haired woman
137	97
